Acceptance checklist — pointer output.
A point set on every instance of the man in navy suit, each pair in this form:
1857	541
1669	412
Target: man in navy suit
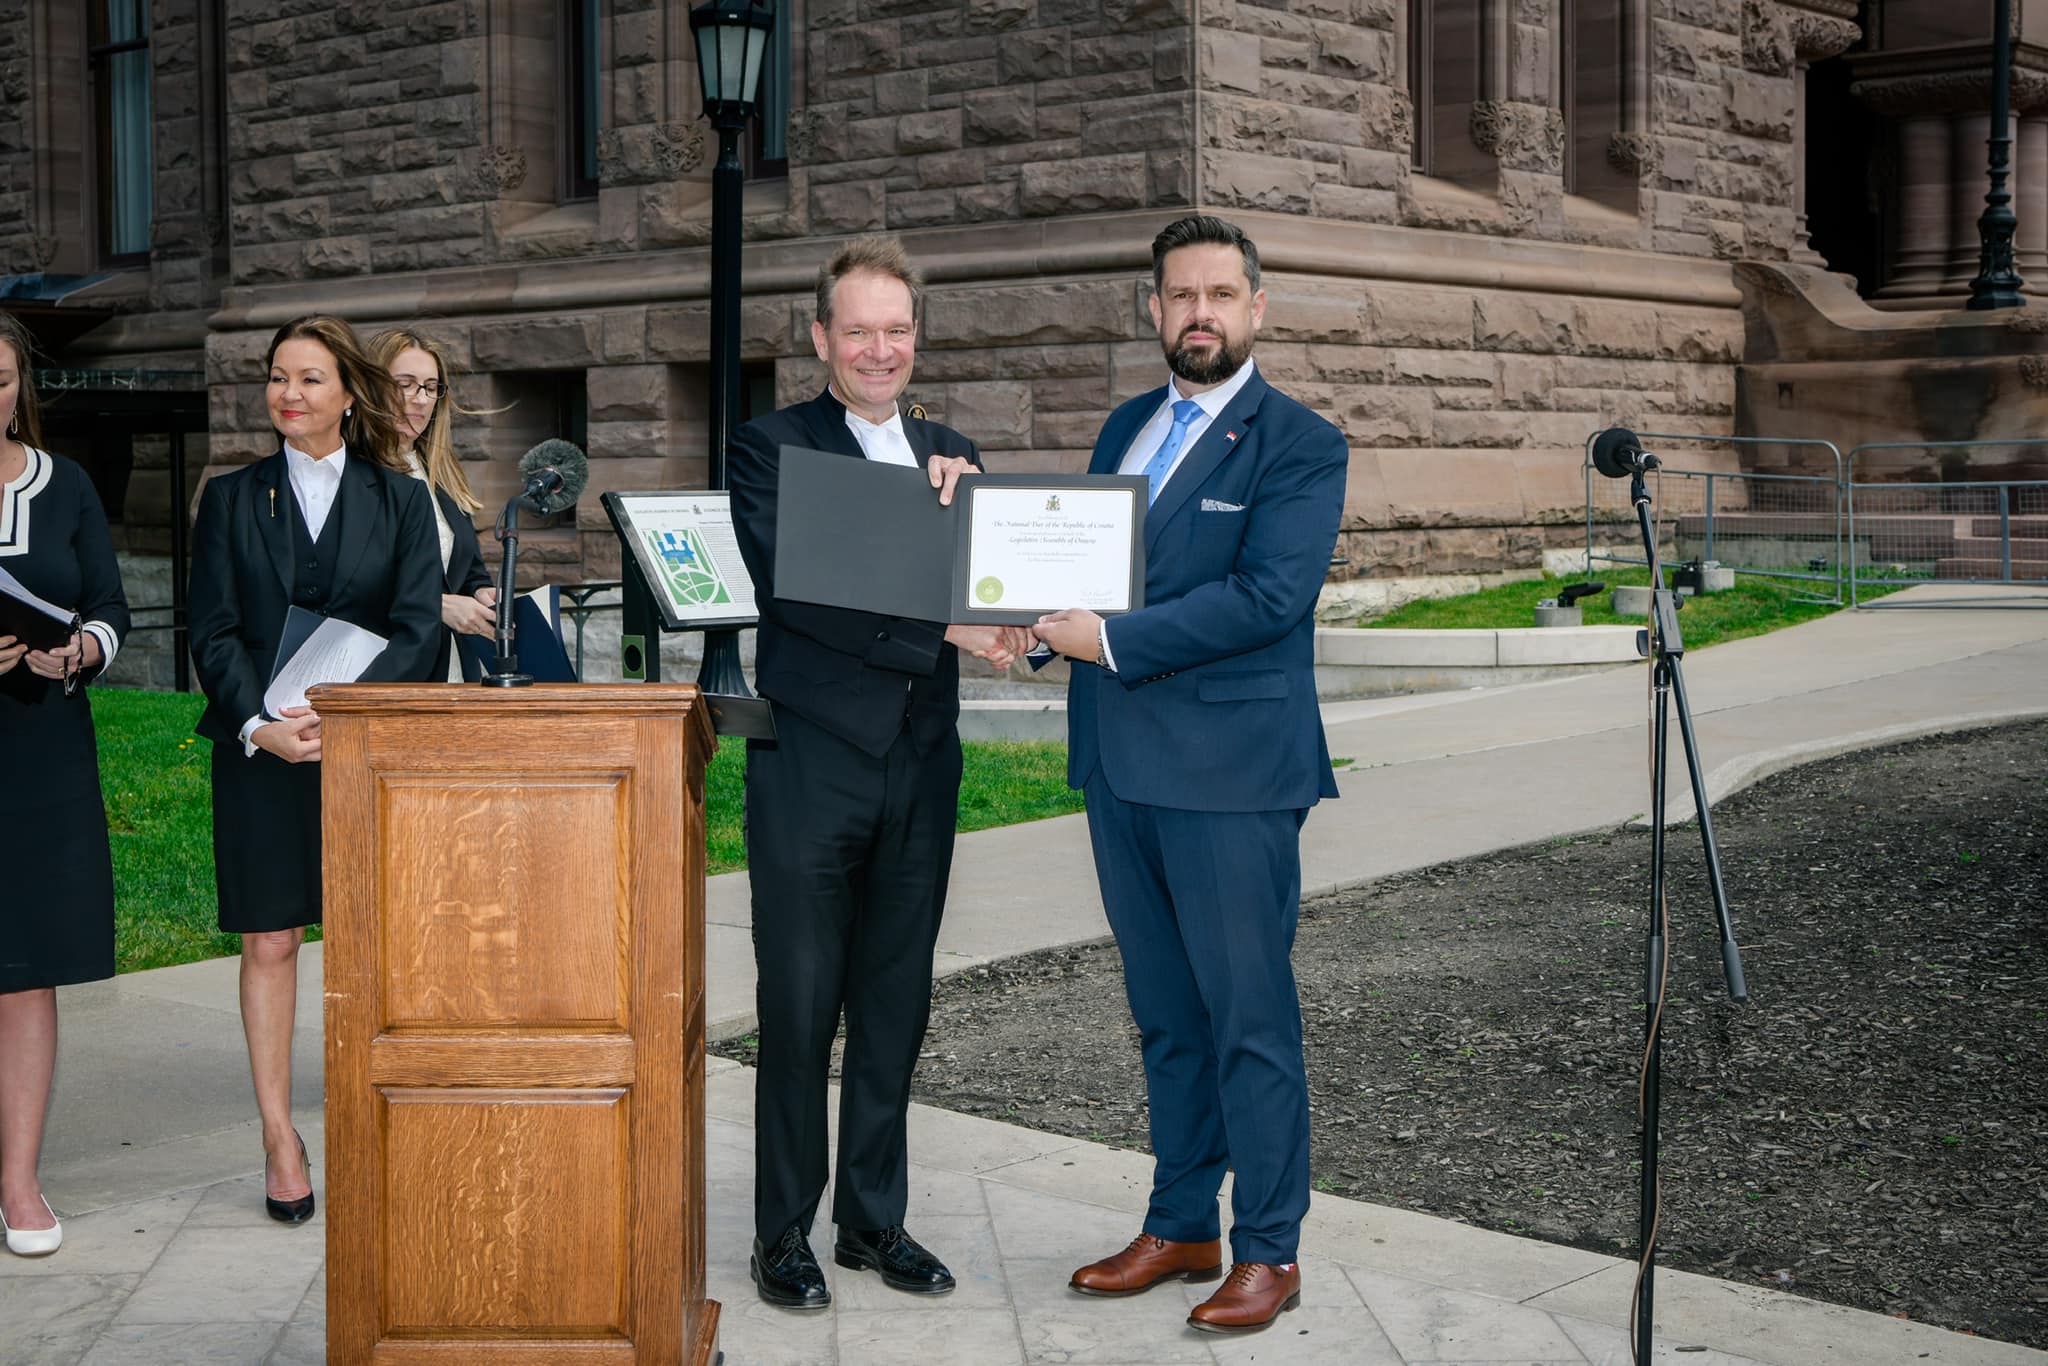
1194	733
850	811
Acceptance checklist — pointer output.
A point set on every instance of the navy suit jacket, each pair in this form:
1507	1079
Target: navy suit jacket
860	675
1213	704
387	579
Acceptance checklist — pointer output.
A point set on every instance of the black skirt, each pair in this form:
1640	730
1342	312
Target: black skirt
57	914
266	840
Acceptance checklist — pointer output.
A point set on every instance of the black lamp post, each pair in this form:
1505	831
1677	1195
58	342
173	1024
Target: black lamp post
1998	284
732	43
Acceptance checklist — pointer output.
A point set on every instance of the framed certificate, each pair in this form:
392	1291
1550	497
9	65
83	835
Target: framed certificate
685	548
1033	545
1007	550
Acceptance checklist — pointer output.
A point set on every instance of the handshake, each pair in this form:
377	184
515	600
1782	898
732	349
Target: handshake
1075	633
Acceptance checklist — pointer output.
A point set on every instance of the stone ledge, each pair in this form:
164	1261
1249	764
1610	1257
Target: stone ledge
1352	647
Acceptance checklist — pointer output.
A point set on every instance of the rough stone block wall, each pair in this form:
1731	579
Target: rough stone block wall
927	114
366	150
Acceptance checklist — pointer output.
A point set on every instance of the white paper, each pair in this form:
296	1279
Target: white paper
336	652
1040	550
688	538
13	588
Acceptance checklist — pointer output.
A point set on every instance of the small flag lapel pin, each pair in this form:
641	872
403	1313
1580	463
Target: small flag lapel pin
1230	436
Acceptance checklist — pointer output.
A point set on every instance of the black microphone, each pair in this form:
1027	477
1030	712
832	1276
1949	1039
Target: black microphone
1618	453
553	475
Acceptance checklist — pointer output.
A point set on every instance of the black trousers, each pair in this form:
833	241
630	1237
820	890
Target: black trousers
847	857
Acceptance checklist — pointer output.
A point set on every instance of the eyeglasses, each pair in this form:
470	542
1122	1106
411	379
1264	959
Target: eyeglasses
428	389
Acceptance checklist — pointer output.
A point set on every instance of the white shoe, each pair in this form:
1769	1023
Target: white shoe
34	1242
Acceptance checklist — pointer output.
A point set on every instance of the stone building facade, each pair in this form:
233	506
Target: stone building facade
1490	227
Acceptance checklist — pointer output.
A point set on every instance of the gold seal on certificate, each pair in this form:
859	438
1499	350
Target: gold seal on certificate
1038	549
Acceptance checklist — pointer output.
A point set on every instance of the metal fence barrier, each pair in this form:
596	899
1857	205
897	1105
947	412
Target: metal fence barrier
1780	526
1911	530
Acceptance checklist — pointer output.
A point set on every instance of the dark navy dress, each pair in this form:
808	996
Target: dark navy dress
57	911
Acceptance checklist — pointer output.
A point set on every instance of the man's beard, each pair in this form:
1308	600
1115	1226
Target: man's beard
1214	367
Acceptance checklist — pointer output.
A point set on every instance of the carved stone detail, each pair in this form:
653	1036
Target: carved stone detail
499	169
2030	321
1817	37
14	83
2034	371
611	156
1949	92
43	246
806	126
216	229
1629	153
1766	38
678	148
1524	137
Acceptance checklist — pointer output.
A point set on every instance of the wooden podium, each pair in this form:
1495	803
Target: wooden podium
514	884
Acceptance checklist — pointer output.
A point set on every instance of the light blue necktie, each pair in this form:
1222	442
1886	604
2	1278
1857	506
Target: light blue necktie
1184	411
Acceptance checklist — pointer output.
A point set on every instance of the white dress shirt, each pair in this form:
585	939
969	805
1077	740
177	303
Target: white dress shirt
1146	444
883	441
315	484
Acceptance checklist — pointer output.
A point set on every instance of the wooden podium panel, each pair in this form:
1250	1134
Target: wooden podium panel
514	887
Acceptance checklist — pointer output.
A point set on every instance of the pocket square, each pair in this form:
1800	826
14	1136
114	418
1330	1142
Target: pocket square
1218	505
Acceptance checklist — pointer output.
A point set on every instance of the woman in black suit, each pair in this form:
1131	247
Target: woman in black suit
332	524
419	366
57	902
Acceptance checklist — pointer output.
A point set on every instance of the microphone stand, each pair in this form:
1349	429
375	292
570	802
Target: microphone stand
504	670
1662	643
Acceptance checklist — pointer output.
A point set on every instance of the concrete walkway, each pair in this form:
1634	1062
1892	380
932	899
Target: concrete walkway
154	1160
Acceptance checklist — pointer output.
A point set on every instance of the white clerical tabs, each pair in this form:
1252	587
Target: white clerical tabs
1007	550
684	545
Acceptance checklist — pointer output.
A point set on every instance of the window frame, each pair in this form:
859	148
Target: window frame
99	55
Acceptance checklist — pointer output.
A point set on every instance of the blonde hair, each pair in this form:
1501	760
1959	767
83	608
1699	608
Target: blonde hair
371	425
876	253
28	412
436	445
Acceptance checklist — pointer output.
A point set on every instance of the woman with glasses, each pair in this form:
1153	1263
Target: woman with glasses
419	366
331	524
57	904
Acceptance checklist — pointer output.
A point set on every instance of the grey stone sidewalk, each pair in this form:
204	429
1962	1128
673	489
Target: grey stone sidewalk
201	1275
153	1157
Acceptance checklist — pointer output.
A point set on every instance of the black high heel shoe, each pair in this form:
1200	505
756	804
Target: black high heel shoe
291	1211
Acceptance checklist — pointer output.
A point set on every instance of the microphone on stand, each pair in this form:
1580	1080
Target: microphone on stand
1618	453
552	476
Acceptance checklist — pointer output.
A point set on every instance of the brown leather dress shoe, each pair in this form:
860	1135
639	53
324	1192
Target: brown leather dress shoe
1147	1262
1251	1298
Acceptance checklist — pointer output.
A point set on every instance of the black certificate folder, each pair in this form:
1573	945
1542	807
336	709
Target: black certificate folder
873	537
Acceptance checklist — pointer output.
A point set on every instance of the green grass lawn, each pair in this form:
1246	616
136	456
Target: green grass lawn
159	815
1755	605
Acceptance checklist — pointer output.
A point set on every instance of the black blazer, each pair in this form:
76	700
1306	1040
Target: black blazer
857	674
465	574
387	578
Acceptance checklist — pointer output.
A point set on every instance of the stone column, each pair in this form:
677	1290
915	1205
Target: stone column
2030	199
1968	181
1820	29
1919	262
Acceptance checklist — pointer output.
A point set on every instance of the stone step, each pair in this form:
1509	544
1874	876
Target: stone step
2019	528
1977	567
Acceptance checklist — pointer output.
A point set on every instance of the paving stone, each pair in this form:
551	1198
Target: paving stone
1429	1323
184	1344
54	1319
213	1275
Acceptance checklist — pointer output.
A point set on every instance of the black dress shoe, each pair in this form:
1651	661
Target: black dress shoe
896	1255
292	1211
787	1275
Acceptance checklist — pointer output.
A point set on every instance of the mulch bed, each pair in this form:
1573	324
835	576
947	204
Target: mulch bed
1870	1130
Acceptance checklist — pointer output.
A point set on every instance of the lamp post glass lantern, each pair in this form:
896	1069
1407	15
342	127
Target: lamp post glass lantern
732	41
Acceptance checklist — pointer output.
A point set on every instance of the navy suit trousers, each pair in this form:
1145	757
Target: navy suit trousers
1204	905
